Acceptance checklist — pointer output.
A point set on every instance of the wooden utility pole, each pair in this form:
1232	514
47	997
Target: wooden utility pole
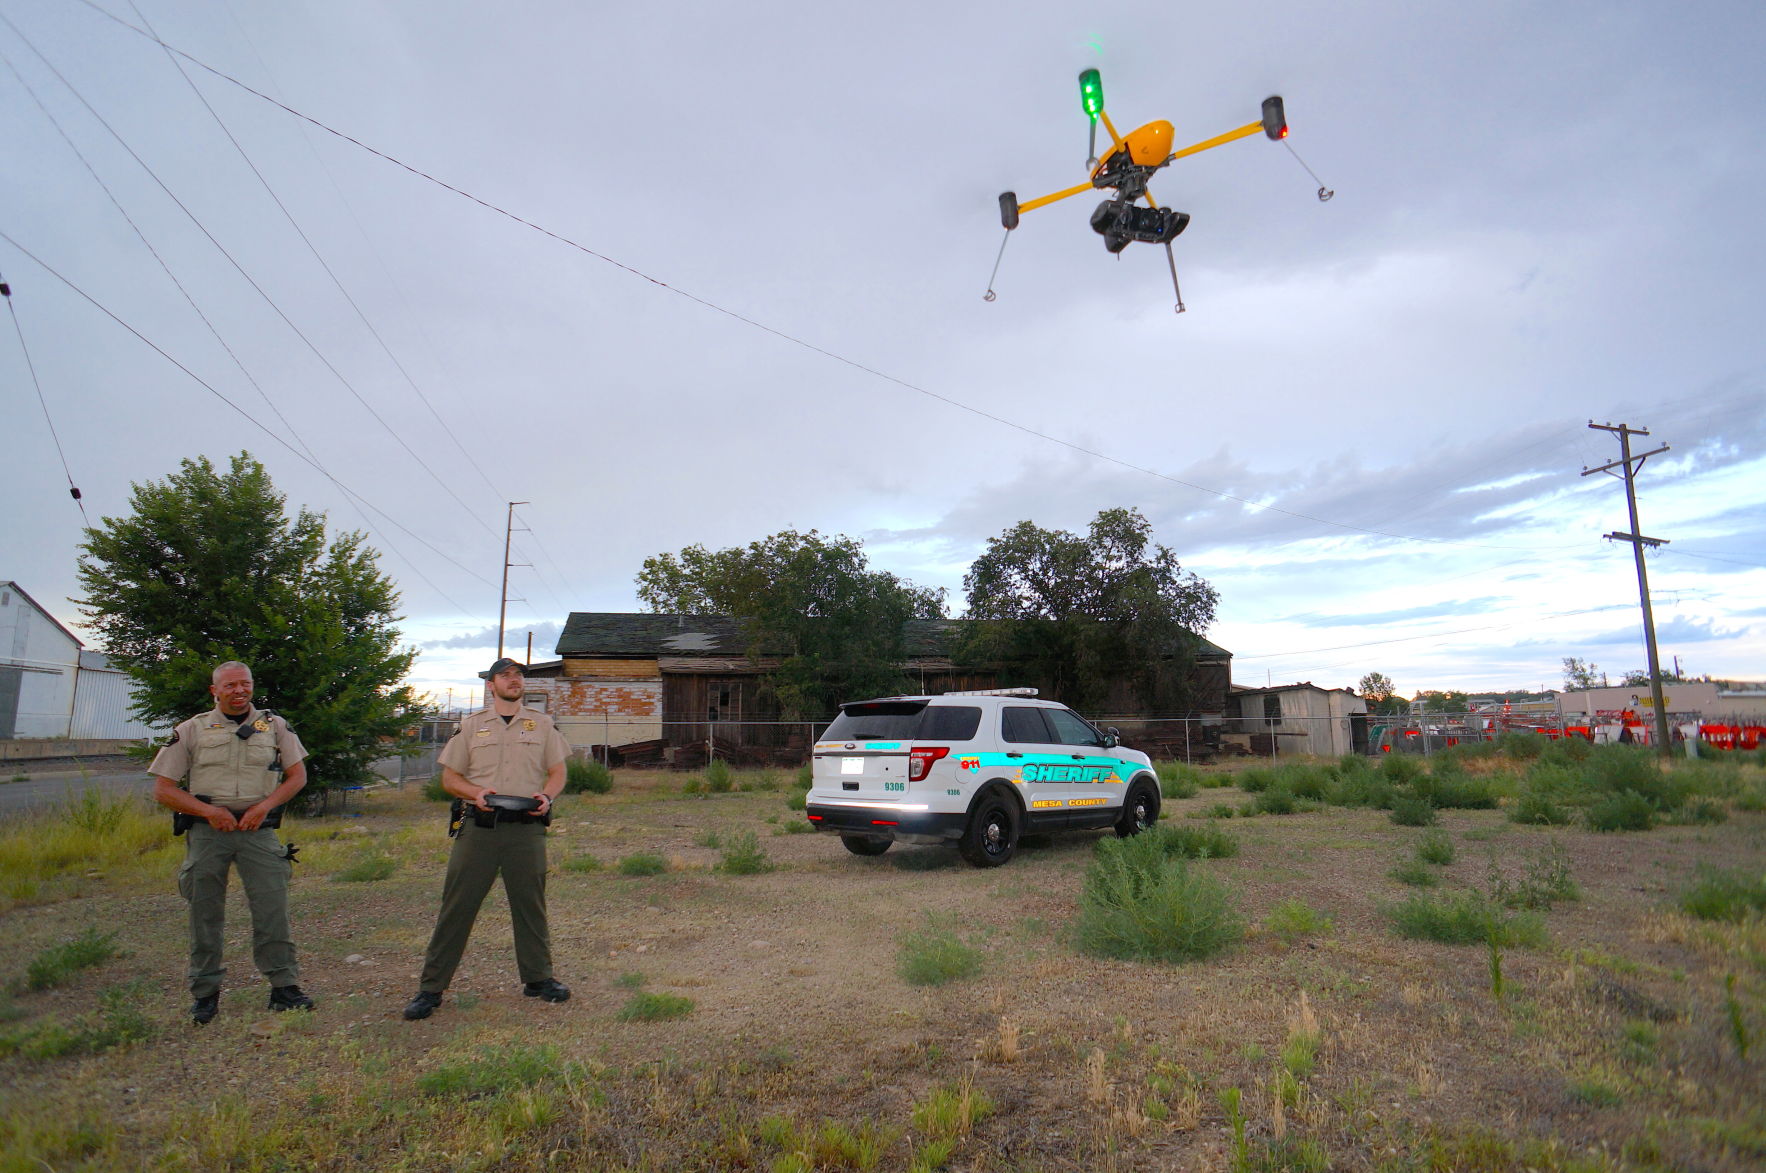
1631	464
503	603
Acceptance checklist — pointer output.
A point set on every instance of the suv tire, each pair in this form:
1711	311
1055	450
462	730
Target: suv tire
865	844
992	834
1140	809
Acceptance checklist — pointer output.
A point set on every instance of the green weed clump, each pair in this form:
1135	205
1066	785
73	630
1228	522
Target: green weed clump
583	862
434	791
1725	895
1448	787
1292	919
1435	847
645	1007
94	832
1412	812
933	955
119	1022
492	1070
1401	768
371	866
1627	811
586	776
1464	918
743	856
1177	780
717	777
1547	882
1538	809
1138	903
56	964
1192	842
644	863
1415	872
797	800
949	1112
1521	747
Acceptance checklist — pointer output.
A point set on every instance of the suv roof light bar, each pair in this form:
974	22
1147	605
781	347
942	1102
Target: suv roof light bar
995	692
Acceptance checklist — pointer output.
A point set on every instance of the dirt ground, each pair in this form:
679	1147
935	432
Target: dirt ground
1617	1045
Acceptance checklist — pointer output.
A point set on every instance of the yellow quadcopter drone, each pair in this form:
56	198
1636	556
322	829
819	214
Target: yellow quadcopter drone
1125	169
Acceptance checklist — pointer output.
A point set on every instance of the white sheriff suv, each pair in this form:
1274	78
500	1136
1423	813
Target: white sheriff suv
975	768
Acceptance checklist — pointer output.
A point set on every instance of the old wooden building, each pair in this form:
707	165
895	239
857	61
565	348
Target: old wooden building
671	689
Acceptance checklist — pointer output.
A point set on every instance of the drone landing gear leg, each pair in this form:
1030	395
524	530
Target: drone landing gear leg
1172	261
990	294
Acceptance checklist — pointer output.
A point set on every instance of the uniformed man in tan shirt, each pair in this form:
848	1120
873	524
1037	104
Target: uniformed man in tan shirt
507	749
243	764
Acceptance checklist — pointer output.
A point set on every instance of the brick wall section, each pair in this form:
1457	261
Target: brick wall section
593	711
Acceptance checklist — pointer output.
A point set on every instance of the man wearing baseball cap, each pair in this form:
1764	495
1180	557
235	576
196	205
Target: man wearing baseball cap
503	758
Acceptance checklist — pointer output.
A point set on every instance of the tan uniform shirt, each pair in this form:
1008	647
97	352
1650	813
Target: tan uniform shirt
511	758
233	771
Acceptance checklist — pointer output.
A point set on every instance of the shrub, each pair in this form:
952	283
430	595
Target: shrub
1464	918
1628	811
1140	904
582	863
1293	919
1522	747
655	1007
586	776
642	864
1177	780
933	955
1435	847
434	792
717	776
1570	750
805	776
1274	801
1192	842
57	963
1401	768
1725	895
118	1023
797	800
743	856
1451	789
1412	812
1704	811
1547	881
1414	872
1537	809
1362	787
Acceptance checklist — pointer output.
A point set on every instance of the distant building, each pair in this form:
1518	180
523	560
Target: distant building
50	686
1690	700
680	682
1304	718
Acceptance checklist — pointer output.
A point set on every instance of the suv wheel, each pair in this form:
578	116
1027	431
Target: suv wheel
1140	810
992	834
865	845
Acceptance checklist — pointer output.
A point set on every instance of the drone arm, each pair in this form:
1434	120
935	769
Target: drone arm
1115	139
1029	205
1218	141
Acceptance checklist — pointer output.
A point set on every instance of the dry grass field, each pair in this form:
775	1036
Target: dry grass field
780	1004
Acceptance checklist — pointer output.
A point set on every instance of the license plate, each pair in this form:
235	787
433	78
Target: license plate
852	765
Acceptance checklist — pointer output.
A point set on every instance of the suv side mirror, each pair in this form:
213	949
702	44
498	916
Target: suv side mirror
1112	737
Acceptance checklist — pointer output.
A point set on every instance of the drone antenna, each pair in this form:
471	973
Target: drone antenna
990	294
1172	261
1091	147
1324	193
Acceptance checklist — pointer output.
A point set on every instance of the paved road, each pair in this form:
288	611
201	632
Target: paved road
50	781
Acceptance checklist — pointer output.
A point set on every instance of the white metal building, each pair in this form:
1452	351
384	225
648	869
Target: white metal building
50	685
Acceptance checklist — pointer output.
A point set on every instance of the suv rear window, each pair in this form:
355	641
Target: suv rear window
904	721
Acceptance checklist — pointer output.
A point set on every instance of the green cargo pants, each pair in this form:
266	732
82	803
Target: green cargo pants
202	881
518	851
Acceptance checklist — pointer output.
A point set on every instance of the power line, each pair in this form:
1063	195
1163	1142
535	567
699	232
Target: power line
329	272
350	387
107	312
779	333
73	489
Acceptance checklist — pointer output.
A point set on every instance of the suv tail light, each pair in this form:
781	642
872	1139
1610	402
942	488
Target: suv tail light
920	759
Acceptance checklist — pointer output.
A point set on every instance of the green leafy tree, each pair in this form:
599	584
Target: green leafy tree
813	601
1580	676
1382	695
208	567
1076	614
1446	702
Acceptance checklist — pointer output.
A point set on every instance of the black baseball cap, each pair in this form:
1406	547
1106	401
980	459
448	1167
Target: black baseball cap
501	664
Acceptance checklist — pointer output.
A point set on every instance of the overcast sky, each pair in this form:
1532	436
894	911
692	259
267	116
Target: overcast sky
1546	214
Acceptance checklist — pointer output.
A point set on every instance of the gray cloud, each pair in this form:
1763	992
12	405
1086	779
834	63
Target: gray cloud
545	638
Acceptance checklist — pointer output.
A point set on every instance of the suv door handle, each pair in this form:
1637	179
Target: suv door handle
1079	757
1014	755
